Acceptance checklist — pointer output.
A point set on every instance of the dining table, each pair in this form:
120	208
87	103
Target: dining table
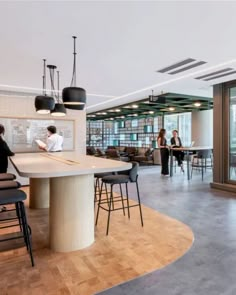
188	151
64	182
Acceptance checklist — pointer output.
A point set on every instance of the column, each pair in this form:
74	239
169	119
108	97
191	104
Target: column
202	128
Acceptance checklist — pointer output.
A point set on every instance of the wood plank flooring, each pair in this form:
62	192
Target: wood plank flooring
128	252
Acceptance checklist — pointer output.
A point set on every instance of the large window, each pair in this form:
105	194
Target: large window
181	122
170	123
185	127
140	132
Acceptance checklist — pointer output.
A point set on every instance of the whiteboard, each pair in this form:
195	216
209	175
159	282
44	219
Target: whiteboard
21	133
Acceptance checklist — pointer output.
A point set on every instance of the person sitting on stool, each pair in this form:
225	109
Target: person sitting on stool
54	141
176	143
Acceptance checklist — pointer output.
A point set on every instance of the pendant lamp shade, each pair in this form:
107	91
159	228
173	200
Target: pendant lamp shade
74	97
59	110
44	104
78	107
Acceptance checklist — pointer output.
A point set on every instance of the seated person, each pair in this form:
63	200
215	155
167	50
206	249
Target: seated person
176	142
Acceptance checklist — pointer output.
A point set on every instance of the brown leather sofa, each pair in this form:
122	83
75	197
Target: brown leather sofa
145	155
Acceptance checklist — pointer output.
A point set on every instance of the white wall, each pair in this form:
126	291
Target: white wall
202	128
24	107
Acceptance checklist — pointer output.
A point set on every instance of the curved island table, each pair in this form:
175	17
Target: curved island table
70	177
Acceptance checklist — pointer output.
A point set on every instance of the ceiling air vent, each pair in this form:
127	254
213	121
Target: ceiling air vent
219	76
214	73
196	64
181	66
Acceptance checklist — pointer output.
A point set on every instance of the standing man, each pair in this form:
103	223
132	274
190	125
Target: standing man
54	141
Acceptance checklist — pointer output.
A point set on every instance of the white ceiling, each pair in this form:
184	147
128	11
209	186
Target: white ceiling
120	45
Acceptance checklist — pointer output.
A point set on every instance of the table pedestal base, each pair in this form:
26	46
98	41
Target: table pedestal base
71	217
39	193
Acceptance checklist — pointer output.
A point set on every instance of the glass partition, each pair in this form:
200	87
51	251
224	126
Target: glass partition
185	126
232	134
170	123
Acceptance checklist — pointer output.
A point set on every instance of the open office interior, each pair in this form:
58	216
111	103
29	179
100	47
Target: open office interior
117	147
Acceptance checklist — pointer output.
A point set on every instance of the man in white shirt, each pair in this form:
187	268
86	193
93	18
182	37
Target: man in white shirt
54	140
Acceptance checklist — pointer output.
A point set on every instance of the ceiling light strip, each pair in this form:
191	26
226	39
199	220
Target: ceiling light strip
219	76
176	65
40	89
214	73
164	83
196	64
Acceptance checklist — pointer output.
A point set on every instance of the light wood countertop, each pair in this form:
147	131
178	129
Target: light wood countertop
43	165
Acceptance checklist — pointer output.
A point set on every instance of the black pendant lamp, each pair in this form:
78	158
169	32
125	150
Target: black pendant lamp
43	103
74	97
59	109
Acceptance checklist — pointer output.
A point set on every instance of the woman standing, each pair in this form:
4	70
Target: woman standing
5	152
162	144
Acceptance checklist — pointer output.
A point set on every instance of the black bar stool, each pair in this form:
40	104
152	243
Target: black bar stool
121	178
8	184
97	185
16	197
7	176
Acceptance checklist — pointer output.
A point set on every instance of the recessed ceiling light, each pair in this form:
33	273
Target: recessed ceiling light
111	111
151	112
197	104
104	113
117	110
134	106
91	116
171	109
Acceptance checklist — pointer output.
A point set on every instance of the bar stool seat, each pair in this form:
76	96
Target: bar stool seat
9	184
6	185
116	179
101	175
7	176
11	196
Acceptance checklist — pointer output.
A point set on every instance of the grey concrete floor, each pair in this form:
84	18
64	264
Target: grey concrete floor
209	268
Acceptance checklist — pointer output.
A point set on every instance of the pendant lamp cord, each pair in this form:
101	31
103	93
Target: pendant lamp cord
51	72
44	77
73	81
58	87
